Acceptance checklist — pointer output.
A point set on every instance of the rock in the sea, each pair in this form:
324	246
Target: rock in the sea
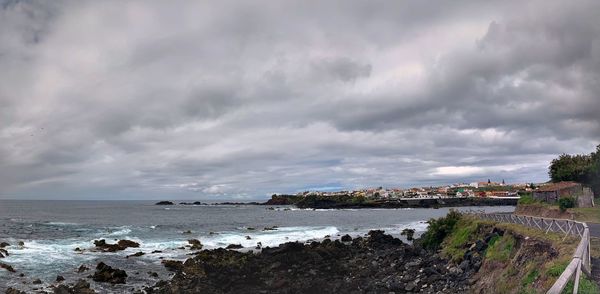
81	287
234	246
4	244
82	268
36	282
165	203
14	291
7	267
107	274
195	244
21	243
121	245
128	243
60	278
346	238
137	254
187	232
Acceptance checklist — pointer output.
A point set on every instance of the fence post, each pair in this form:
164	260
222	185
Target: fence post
577	276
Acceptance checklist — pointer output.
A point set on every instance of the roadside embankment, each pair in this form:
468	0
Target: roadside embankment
509	258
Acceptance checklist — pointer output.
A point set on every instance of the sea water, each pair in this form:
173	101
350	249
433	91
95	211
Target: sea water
52	230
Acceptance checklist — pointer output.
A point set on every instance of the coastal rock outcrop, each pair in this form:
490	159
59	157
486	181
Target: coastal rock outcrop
165	203
7	267
107	274
121	245
195	244
377	263
14	291
81	287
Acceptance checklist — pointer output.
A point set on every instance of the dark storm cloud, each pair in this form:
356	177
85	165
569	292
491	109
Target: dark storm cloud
241	99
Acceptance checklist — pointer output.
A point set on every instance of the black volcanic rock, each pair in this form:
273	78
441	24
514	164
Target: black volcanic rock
137	254
106	274
195	244
173	265
14	291
165	203
378	263
7	267
234	246
81	287
121	245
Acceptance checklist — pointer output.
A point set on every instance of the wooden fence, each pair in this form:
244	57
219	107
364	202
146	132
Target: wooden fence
581	261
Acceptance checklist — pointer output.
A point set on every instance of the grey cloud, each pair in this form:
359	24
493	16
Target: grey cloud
239	100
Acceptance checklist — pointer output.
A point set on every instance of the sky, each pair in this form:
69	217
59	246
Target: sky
236	100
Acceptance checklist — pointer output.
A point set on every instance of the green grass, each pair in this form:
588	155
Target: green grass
556	269
527	199
493	240
531	277
464	232
502	249
585	287
587	214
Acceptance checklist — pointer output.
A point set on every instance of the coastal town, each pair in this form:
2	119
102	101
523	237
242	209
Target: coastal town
489	189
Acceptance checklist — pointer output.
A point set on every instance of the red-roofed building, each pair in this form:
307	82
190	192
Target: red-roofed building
552	192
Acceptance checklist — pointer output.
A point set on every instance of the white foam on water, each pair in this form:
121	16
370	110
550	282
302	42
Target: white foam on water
267	238
119	231
60	224
48	256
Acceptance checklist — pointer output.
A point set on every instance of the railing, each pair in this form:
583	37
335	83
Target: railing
581	259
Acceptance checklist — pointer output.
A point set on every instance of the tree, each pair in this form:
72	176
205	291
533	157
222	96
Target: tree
579	168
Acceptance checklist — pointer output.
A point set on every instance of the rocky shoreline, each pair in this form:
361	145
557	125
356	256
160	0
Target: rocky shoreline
375	263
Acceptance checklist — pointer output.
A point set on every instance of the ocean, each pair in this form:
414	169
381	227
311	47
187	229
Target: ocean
51	230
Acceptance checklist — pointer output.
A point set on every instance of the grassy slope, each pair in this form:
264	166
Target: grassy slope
534	208
517	262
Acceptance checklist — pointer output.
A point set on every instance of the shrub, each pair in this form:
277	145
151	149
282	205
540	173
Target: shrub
566	202
440	228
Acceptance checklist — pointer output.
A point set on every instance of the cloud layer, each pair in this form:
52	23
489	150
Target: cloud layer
236	100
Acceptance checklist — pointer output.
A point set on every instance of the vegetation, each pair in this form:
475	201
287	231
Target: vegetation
527	199
511	263
466	232
566	202
501	249
439	229
580	168
586	286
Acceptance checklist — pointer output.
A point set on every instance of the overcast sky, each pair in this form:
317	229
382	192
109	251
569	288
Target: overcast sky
239	99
